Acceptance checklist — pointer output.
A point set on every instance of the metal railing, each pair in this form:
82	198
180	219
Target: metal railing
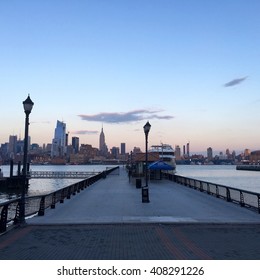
10	209
61	174
242	197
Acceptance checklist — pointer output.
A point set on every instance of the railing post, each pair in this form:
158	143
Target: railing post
201	186
208	188
3	220
228	195
42	207
62	196
78	187
242	201
17	213
69	193
217	191
53	201
74	189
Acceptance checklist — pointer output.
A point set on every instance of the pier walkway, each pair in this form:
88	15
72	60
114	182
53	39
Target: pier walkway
109	221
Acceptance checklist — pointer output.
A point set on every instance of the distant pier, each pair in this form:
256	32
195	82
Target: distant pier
248	167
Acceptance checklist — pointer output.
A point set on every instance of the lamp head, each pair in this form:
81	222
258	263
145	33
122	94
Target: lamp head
28	105
147	127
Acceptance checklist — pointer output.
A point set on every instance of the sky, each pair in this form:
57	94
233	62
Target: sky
190	68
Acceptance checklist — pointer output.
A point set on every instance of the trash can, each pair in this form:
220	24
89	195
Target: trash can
138	183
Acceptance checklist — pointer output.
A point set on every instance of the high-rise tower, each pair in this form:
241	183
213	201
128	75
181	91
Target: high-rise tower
122	148
209	153
75	144
58	148
101	140
12	146
102	144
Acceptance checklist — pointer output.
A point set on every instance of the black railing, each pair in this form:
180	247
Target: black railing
242	197
10	209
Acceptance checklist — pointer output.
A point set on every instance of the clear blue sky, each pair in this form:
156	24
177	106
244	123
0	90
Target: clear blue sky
189	67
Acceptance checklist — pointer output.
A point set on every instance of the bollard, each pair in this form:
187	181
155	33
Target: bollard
138	183
145	195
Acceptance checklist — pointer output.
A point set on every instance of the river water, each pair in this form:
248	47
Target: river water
226	175
43	186
222	174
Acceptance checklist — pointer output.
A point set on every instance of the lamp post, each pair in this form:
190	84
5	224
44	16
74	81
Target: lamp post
27	105
145	190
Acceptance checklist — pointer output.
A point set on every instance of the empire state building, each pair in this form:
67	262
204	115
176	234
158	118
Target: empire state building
102	144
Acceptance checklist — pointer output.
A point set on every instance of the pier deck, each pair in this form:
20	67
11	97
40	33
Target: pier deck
109	221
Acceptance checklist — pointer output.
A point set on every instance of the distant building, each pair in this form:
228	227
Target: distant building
123	149
188	149
48	148
4	151
88	151
58	148
177	152
254	156
75	144
12	146
115	152
20	145
210	154
136	150
247	153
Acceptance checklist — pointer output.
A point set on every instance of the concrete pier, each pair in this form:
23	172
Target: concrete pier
109	221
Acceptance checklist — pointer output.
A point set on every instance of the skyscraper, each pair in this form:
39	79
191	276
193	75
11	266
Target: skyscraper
115	152
101	140
58	148
177	152
188	149
102	144
122	148
75	144
210	153
12	147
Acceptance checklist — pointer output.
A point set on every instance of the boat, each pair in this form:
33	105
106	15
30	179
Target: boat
166	154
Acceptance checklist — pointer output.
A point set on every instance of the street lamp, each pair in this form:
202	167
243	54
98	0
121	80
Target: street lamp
145	190
27	105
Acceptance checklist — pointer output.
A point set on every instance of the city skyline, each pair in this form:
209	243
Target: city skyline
61	141
190	69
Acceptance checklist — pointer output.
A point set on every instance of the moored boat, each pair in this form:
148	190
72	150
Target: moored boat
166	154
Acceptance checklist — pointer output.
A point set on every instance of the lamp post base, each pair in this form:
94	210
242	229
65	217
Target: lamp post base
145	195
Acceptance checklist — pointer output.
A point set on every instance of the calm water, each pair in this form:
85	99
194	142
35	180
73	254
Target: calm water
42	186
222	174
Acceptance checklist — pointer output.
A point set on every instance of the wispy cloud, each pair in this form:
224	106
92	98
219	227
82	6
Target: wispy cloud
47	122
126	117
235	82
84	132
